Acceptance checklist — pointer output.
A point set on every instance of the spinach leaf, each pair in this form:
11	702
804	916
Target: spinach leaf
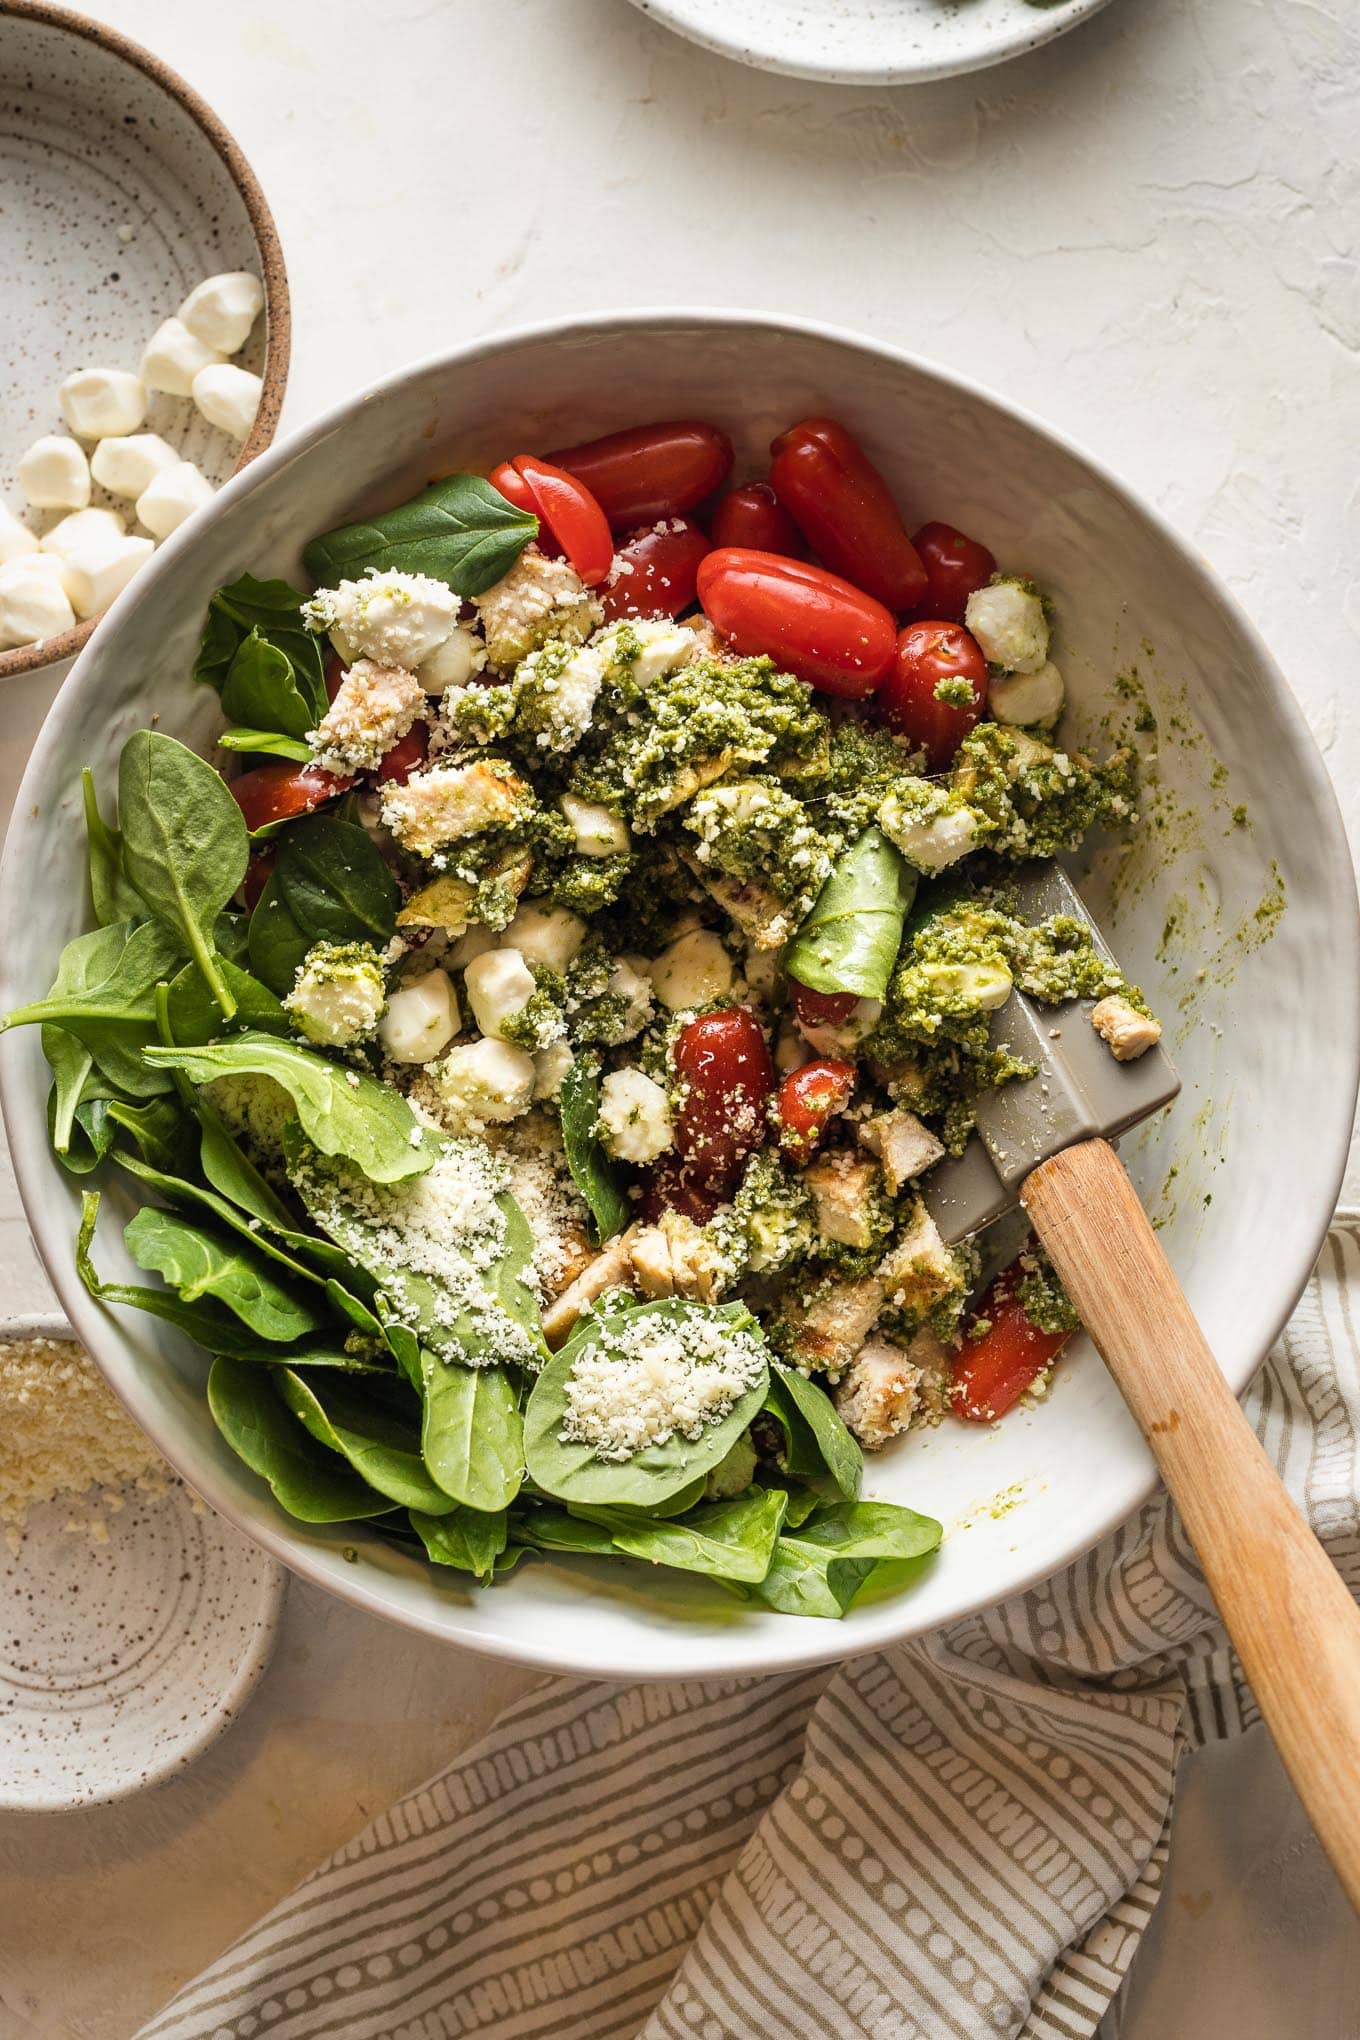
232	1174
71	1065
195	1016
570	1469
459	530
593	1173
89	1134
114	899
872	1530
849	942
375	1444
332	879
184	844
278	947
199	1263
726	1540
342	1112
304	1476
217	647
260	689
109	974
274	609
184	1195
806	1579
162	1130
819	1568
266	744
816	1439
547	1529
472	1436
214	1327
471	1539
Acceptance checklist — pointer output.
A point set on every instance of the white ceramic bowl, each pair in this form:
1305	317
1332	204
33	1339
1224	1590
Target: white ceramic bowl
870	42
1244	1170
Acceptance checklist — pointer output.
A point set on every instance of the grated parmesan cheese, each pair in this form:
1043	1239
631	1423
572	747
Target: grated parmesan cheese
62	1432
663	1375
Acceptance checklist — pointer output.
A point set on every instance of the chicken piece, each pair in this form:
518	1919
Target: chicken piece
612	1268
842	1187
1128	1032
688	781
889	1388
904	1146
539	598
673	1258
762	918
829	1330
449	802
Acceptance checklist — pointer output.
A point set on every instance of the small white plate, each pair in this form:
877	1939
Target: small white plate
120	1661
870	42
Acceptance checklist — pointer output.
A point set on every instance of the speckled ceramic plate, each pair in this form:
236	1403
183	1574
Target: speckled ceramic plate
121	191
870	42
130	1638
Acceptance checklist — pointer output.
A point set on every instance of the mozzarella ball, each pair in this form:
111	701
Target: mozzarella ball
694	971
221	310
647	650
474	941
33	601
421	1019
171	496
16	539
398	619
173	357
453	663
1007	618
126	467
71	533
484	1083
1027	699
635	1116
633	989
598	832
96	572
54	474
550	1066
228	397
498	985
549	936
98	402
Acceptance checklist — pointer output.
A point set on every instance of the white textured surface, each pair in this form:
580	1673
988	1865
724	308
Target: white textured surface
1147	232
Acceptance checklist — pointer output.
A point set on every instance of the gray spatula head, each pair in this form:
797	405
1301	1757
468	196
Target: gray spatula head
1080	1091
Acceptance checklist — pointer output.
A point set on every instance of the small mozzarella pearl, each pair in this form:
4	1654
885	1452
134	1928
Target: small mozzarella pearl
171	496
33	603
221	310
16	540
228	397
54	474
98	402
127	466
95	573
173	357
79	528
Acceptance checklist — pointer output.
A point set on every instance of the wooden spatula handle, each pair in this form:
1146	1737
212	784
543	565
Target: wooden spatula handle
1296	1628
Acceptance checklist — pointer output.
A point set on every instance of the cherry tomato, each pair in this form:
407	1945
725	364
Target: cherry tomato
516	490
333	673
992	1372
821	1009
279	792
928	654
658	570
806	1102
754	517
650	471
844	509
565	508
406	756
670	1187
725	1064
956	567
810	622
259	871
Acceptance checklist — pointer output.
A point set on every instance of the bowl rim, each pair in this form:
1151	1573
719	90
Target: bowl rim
718	1657
273	271
1011	43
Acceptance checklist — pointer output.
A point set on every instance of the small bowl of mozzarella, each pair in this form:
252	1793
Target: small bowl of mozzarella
147	318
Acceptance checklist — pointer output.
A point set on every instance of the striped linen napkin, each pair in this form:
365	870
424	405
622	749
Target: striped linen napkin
961	1836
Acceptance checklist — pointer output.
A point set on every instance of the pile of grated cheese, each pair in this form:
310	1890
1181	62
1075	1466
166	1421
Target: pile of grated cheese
665	1375
63	1433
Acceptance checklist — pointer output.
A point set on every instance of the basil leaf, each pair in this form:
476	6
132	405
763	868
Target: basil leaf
206	1321
198	1263
114	899
471	1539
725	1540
472	1436
266	744
849	941
817	1440
278	947
184	843
334	884
342	1112
303	1475
383	1451
459	530
195	1016
260	689
570	1469
592	1171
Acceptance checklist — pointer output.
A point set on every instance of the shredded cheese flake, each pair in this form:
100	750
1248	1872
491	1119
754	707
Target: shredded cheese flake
661	1377
62	1432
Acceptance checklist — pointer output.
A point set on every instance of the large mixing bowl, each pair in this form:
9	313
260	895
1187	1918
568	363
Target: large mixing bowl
1235	907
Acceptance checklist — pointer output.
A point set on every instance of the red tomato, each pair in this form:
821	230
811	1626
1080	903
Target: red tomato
664	564
753	517
279	792
810	622
516	490
650	471
992	1372
844	508
259	871
928	653
564	508
407	755
807	1100
956	567
669	1188
821	1009
725	1064
333	673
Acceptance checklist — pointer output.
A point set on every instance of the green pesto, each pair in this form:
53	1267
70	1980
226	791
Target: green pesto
754	830
863	764
1042	1297
773	1209
954	691
1041	801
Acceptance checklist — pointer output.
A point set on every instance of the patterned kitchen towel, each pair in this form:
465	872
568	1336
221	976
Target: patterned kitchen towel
961	1836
